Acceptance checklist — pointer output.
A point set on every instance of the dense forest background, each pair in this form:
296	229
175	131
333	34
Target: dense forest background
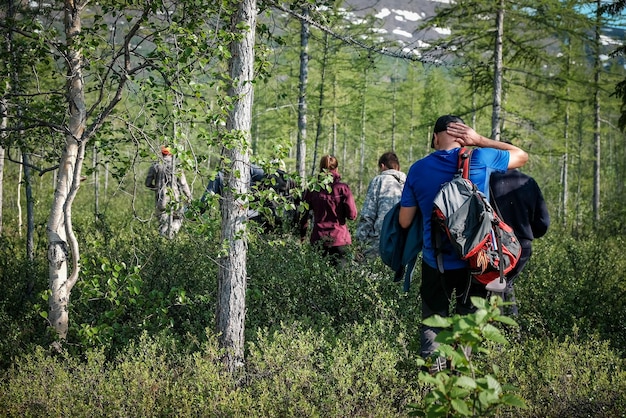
93	102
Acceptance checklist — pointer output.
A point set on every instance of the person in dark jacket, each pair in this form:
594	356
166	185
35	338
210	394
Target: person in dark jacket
260	181
331	209
520	202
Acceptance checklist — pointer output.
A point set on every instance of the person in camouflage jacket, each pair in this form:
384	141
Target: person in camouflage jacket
171	192
383	192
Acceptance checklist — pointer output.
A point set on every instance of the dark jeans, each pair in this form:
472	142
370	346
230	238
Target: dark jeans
436	292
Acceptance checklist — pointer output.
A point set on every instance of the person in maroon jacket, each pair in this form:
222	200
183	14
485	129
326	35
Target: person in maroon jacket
331	208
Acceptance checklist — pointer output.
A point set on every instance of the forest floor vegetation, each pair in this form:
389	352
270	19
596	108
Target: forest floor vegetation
319	342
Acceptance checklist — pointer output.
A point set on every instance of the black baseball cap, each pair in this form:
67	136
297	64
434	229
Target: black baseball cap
442	124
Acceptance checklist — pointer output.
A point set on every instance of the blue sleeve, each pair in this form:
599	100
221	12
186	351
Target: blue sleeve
484	162
409	199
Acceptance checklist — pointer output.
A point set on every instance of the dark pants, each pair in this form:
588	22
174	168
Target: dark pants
508	295
337	254
436	291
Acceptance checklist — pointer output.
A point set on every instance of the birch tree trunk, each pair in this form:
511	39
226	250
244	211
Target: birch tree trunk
30	209
62	244
231	304
4	120
498	74
302	105
96	184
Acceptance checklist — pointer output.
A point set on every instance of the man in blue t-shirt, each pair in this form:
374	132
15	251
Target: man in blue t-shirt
423	182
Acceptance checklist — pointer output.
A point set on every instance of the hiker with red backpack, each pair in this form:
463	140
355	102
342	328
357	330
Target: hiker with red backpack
424	182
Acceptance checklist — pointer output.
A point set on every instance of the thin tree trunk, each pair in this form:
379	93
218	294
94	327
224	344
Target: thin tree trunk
393	108
302	105
362	159
20	223
62	243
30	224
320	110
231	304
564	172
579	170
96	183
30	209
596	115
498	74
563	212
334	146
4	109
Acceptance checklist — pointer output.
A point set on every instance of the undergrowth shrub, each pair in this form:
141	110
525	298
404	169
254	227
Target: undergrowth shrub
152	377
21	327
320	342
299	371
291	281
577	282
574	378
160	284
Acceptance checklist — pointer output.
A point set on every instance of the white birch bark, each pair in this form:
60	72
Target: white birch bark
62	244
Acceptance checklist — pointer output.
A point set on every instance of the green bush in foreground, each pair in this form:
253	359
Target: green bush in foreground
465	389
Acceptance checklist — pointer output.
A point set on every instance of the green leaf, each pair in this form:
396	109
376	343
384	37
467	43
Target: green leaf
458	393
479	302
466	382
481	315
463	323
506	320
492	333
460	407
437	321
488	397
427	378
445	337
492	383
514	400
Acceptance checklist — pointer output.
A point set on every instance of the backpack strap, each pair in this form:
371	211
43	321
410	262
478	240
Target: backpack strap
465	155
463	166
498	236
